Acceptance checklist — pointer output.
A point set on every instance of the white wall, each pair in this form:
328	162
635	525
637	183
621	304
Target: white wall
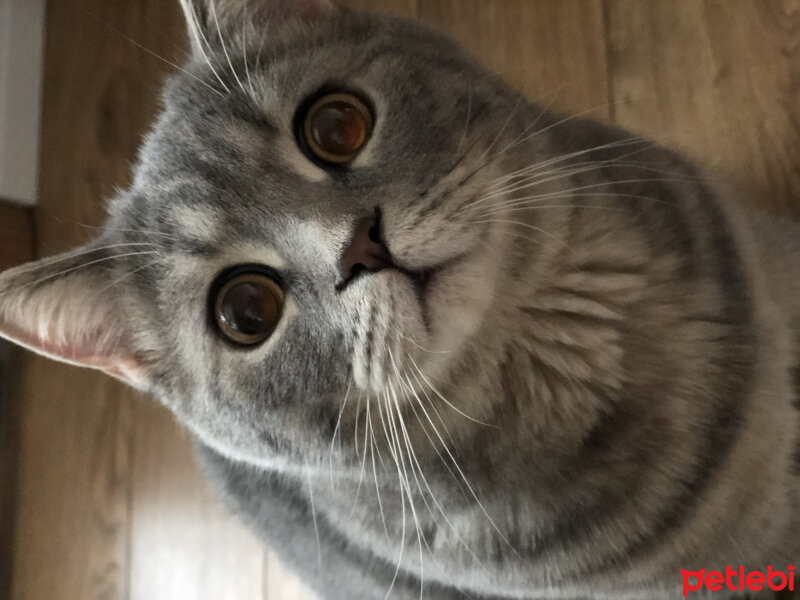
21	50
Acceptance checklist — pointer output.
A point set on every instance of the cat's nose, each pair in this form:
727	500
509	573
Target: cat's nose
366	251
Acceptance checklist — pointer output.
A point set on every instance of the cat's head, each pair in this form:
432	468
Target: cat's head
296	235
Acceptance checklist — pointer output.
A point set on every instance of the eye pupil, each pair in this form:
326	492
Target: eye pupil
337	126
247	308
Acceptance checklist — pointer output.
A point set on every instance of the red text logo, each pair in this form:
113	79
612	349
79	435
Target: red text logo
738	580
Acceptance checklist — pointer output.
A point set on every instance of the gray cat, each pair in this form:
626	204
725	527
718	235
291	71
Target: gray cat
431	339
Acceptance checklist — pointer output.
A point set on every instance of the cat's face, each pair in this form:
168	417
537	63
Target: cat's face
232	295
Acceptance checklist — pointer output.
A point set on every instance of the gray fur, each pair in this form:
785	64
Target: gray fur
618	355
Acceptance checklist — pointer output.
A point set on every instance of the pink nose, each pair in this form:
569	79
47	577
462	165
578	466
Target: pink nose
366	251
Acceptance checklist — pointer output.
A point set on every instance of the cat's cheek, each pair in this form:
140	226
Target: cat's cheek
458	299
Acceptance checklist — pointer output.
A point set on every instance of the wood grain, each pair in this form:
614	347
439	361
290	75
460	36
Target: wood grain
184	544
400	8
16	235
73	490
719	79
553	50
16	247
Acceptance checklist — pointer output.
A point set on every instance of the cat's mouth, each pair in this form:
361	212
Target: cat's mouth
369	253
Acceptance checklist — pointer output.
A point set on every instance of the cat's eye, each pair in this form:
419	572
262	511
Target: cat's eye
247	306
336	127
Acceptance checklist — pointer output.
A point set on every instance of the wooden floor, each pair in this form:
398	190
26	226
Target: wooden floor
109	504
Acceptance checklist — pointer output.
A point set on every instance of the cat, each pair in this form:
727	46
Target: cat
431	339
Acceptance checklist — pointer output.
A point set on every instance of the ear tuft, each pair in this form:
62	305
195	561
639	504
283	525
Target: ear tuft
62	308
207	20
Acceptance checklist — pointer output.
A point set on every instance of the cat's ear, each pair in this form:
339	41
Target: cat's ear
208	19
65	308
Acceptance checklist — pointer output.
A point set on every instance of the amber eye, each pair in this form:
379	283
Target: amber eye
247	308
336	127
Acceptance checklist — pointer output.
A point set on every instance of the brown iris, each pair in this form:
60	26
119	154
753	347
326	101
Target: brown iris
247	308
336	127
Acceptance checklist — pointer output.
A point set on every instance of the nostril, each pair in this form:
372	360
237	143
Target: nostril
356	270
375	230
366	251
375	235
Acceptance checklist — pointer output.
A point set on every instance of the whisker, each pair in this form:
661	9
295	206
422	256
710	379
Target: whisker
464	478
623	160
355	424
70	270
224	47
410	453
466	125
363	459
446	430
641	145
413	461
511	115
129	274
538	118
202	42
336	431
414	342
314	516
394	454
527	226
558	174
503	211
260	50
446	401
375	470
54	260
144	232
415	465
539	132
244	56
533	202
601	185
449	470
150	52
568	172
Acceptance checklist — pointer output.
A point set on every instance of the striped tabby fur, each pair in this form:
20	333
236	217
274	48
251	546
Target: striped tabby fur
594	385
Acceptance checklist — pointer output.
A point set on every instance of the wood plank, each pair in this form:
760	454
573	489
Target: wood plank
282	584
97	464
9	433
553	50
71	526
717	78
16	247
16	235
184	543
401	8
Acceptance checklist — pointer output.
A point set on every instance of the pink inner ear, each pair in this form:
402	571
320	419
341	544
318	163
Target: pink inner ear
86	351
